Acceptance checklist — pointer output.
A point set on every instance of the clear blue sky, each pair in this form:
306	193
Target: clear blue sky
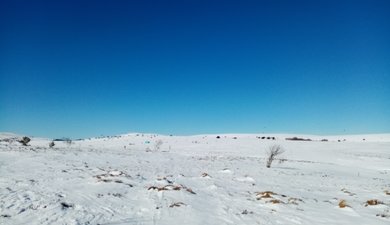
86	68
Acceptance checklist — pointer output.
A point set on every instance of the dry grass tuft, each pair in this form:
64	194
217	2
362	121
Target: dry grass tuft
190	191
177	204
387	192
171	187
165	188
283	199
294	201
275	201
343	204
373	202
157	188
264	194
205	175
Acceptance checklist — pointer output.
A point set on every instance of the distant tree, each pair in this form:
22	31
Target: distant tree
273	152
25	140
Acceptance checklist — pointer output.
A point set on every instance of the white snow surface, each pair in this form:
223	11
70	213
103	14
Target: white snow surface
128	179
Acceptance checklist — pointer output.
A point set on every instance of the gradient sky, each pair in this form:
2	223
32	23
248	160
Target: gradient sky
88	68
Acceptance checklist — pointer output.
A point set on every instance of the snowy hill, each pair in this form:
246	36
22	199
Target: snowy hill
202	179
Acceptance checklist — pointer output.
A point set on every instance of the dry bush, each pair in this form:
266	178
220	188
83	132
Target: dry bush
264	194
158	144
273	152
51	144
343	204
190	191
373	202
294	201
281	199
25	141
205	175
177	204
171	187
275	201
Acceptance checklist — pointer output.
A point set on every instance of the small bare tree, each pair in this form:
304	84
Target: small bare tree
272	153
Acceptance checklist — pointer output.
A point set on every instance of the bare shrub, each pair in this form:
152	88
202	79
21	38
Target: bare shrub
273	152
51	144
373	202
158	144
343	204
177	204
25	141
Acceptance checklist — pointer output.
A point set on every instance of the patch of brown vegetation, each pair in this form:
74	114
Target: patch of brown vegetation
176	188
343	204
372	202
387	192
275	201
282	199
264	194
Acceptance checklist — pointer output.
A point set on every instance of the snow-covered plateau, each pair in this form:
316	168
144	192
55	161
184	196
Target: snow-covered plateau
203	179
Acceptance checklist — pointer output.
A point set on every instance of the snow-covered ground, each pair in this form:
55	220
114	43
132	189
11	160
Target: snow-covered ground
129	179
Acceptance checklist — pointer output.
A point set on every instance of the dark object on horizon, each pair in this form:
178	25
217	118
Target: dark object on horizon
324	140
59	139
25	141
67	140
297	139
51	144
218	137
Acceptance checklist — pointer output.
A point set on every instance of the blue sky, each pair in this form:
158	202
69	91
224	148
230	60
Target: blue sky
87	68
